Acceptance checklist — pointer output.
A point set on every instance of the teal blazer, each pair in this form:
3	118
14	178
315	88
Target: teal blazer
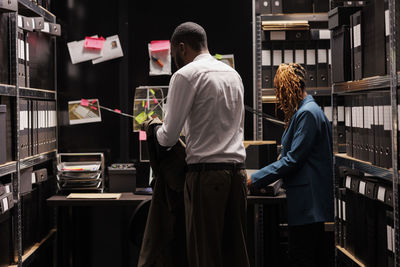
306	166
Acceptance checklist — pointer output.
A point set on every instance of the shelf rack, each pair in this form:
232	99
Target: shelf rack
31	253
27	8
37	93
388	83
350	256
363	166
8	90
14	90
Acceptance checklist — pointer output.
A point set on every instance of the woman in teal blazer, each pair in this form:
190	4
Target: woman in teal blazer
305	166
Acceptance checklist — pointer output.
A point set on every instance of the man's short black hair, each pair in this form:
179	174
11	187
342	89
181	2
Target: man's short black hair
191	34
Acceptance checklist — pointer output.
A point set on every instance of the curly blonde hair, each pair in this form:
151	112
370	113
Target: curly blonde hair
289	85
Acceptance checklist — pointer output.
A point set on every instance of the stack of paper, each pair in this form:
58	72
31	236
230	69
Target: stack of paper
285	25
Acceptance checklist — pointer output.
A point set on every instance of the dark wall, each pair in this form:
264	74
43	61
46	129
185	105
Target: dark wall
227	23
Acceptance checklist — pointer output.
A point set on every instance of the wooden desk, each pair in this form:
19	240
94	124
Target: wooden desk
126	199
79	220
95	232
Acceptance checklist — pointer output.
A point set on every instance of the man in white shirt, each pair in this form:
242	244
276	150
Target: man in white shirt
205	101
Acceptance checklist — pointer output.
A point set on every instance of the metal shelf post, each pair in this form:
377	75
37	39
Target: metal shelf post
393	94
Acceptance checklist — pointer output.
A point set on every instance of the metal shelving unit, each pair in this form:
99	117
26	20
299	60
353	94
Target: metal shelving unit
316	17
268	94
37	93
363	166
351	257
25	8
28	257
8	90
387	83
257	76
394	83
9	167
38	159
367	84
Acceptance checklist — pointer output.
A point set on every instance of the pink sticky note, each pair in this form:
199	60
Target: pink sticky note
117	110
142	136
155	100
84	102
94	43
93	108
156	46
93	101
145	105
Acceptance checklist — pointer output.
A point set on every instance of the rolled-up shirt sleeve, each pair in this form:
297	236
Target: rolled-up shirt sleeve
179	102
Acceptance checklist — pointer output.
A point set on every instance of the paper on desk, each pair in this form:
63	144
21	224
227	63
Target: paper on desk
94	196
111	49
86	167
79	54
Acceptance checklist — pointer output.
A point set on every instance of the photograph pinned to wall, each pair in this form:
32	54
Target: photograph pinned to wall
84	111
159	57
79	53
228	59
111	49
148	102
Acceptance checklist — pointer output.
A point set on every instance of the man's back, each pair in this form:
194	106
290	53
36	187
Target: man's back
210	94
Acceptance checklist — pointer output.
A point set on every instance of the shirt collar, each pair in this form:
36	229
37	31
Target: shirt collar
202	56
307	99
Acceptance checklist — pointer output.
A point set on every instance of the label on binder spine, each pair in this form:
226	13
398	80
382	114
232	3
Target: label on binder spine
381	194
348	182
389	238
387	119
5	204
299	56
357	35
340	113
347	114
344	210
387	25
361	190
266	58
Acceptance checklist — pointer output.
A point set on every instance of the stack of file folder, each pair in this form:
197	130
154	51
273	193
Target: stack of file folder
283	25
311	49
38	123
368	119
7	243
360	40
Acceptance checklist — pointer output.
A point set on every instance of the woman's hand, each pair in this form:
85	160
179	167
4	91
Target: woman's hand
249	183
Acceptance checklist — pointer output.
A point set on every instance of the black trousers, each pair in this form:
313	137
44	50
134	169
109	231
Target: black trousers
306	243
215	211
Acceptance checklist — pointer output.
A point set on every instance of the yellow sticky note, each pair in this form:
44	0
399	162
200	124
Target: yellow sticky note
151	113
141	117
143	103
218	56
152	91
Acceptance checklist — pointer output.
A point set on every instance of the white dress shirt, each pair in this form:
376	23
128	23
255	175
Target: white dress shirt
205	99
